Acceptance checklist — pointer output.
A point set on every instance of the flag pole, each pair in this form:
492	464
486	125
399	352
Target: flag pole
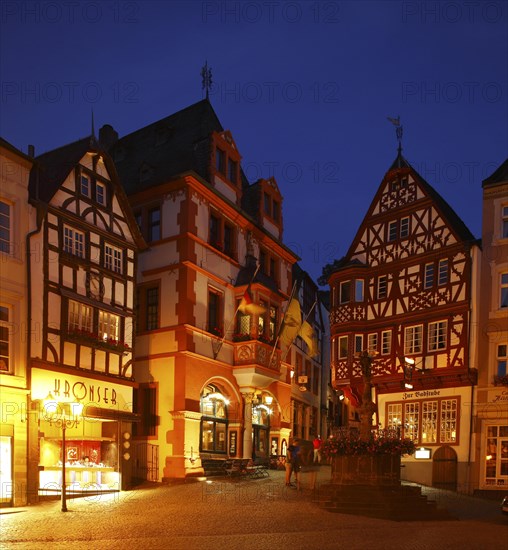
306	317
216	353
280	328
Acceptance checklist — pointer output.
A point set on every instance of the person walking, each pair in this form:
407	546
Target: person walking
293	463
317	444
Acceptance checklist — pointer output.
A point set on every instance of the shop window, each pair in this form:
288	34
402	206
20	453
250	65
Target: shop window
394	416
73	242
496	456
411	420
448	421
5	339
5	227
413	339
437	335
214	421
429	421
113	258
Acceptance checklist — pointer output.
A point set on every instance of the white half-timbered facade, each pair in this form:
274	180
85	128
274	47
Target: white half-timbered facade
404	293
81	293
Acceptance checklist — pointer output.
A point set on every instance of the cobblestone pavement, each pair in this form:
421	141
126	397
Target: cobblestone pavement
244	514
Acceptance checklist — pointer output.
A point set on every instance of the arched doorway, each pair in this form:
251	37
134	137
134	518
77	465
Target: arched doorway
444	468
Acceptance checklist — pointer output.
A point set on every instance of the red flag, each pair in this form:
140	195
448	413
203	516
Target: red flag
247	305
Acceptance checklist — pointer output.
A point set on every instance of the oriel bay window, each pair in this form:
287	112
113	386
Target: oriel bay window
80	318
214	421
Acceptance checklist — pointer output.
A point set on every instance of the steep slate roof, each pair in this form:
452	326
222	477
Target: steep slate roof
186	147
500	175
54	166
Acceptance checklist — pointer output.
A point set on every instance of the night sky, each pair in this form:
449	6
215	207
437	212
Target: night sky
304	87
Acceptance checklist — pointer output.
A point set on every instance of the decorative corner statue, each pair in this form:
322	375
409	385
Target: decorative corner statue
367	408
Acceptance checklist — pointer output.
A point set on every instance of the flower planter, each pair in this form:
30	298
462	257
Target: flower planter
366	469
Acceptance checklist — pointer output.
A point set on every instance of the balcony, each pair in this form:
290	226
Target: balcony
256	352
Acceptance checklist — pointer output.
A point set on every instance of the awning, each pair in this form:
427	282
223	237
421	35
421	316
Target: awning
111	414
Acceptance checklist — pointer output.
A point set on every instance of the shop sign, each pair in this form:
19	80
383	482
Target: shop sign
67	388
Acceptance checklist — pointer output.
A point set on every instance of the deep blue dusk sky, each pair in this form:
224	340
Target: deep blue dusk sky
304	87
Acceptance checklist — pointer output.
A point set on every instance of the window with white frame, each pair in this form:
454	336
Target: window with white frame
109	326
432	422
437	335
504	222
496	456
429	421
442	272
404	228
80	317
113	258
5	227
501	360
100	193
392	231
85	185
413	339
386	342
428	280
343	347
382	287
5	339
73	242
372	342
448	421
504	291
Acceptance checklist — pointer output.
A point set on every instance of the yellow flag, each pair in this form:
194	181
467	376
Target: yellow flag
291	323
309	337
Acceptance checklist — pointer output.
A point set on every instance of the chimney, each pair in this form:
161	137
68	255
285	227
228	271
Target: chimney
107	136
31	151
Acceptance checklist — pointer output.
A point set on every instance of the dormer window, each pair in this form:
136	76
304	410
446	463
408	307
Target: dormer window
271	207
232	171
220	161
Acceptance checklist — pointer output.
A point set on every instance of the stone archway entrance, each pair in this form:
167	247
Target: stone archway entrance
444	469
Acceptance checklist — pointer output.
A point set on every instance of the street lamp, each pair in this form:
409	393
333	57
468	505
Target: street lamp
54	413
409	366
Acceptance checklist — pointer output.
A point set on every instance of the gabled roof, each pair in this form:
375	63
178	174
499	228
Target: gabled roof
500	175
54	166
185	147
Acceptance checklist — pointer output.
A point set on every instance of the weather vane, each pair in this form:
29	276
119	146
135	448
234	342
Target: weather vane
398	130
206	75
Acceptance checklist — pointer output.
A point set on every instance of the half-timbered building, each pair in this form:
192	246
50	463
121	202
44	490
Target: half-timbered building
491	414
15	224
404	293
211	292
81	302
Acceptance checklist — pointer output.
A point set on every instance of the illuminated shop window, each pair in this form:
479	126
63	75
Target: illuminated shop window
214	422
496	456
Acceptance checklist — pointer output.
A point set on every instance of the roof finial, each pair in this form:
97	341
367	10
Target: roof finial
93	139
206	75
398	131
